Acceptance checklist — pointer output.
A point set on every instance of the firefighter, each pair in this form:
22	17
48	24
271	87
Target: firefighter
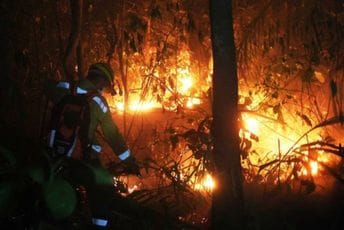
98	183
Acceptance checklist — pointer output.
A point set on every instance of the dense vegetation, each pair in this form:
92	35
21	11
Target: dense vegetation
291	78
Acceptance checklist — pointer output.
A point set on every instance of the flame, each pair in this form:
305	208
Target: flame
251	124
193	101
277	129
206	184
314	167
133	188
275	140
185	81
182	81
137	105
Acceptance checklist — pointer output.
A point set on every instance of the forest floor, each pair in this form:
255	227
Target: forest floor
295	209
274	207
287	207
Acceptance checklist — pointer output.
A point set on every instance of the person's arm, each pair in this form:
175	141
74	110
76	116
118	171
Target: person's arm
114	138
110	130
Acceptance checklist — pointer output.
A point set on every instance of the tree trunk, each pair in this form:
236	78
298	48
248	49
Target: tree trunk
74	37
80	58
228	200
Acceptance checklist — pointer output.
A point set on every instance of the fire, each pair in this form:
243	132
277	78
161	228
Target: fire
275	127
207	184
137	105
193	101
141	106
179	83
314	167
275	140
251	124
185	81
133	188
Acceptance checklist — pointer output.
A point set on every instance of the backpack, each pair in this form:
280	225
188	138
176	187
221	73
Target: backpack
70	119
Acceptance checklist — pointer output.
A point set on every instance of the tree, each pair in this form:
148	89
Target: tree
74	44
227	210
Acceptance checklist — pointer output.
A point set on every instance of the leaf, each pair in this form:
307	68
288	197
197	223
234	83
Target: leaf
254	137
248	101
171	82
305	118
246	146
276	109
170	130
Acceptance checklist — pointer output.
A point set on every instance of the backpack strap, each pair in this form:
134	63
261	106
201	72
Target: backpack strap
86	144
73	88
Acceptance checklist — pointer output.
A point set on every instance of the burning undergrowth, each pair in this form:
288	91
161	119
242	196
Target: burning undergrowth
290	138
177	170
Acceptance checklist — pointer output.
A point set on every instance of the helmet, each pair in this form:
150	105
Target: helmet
103	69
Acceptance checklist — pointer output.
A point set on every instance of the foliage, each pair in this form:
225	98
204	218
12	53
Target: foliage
176	161
290	58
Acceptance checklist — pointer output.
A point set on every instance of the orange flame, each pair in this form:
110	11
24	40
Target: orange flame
206	184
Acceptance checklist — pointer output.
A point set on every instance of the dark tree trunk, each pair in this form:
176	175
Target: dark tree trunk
228	201
80	58
74	37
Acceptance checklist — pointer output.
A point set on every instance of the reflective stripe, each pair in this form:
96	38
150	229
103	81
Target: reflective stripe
70	152
124	155
80	91
101	104
63	84
52	137
99	222
97	148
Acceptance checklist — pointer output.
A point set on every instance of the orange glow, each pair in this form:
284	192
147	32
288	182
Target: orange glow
251	124
185	83
304	172
133	188
180	84
314	167
276	128
206	184
137	105
193	101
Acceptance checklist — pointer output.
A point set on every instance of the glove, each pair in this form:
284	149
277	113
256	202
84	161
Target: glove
130	166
